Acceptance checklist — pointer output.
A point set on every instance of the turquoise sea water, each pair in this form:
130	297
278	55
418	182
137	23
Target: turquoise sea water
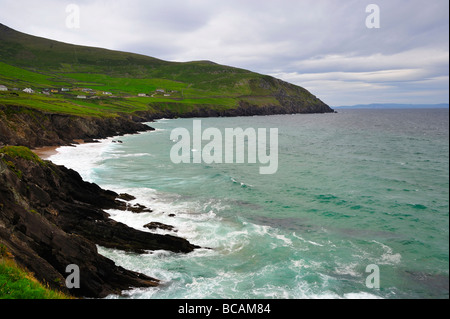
353	189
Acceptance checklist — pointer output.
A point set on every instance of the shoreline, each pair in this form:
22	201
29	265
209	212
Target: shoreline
45	152
95	201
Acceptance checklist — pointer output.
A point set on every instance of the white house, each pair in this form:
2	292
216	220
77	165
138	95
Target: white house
29	90
81	97
142	95
3	88
65	90
107	93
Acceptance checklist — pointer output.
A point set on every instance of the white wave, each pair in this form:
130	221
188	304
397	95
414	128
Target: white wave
240	183
361	295
347	269
284	239
307	241
83	158
388	257
121	154
194	221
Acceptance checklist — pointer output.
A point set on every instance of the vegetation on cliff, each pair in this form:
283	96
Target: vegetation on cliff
18	283
99	82
21	152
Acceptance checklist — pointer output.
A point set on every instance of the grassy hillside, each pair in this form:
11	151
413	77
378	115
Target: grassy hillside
18	283
118	78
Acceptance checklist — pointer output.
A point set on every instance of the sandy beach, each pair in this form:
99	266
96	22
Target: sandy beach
46	151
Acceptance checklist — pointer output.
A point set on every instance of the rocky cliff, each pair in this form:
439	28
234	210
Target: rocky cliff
50	218
34	128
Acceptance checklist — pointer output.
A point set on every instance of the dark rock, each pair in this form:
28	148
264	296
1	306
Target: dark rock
138	208
126	197
33	128
50	218
156	225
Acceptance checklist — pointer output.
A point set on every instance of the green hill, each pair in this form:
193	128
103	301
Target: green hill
118	78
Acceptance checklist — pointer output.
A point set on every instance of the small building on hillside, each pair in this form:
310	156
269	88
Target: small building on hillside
65	90
54	91
3	88
160	90
28	90
142	95
81	96
107	93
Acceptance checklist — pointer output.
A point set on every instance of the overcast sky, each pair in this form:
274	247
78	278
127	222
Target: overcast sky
322	45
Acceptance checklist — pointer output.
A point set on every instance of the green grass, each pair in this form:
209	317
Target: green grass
21	152
14	76
108	106
17	283
29	61
124	85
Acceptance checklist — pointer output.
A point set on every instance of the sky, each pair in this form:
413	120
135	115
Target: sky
341	51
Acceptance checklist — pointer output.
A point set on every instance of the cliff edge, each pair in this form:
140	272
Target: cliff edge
50	219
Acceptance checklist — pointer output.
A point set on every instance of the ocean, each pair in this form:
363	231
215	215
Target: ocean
358	208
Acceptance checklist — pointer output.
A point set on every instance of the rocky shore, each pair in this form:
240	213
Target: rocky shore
50	218
33	128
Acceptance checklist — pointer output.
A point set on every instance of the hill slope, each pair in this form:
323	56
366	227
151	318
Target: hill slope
199	88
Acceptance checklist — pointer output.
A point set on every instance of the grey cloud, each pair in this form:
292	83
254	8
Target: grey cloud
307	42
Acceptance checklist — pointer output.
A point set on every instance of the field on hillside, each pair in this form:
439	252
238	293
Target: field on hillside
100	94
80	80
95	94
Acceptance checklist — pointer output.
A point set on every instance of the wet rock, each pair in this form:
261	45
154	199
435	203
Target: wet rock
156	225
126	197
51	218
138	208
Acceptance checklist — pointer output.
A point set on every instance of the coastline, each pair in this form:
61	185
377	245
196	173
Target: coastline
77	204
45	152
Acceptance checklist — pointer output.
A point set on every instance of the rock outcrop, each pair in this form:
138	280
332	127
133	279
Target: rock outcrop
33	128
50	218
